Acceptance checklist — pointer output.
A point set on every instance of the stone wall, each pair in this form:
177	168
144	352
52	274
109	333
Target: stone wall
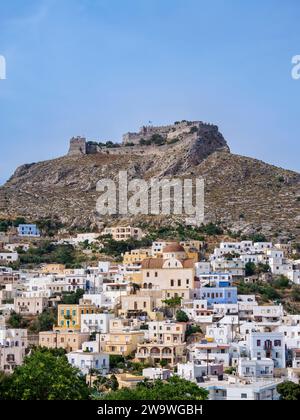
77	146
184	131
169	132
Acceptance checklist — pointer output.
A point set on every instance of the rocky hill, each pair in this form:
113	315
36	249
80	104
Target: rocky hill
243	193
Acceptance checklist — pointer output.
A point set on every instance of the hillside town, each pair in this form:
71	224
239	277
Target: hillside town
220	314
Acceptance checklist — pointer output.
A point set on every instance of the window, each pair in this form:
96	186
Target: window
258	343
243	396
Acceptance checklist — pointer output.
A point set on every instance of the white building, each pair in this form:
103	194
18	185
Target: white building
269	315
268	345
13	247
157	373
246	303
197	311
255	368
95	323
13	344
222	309
8	257
86	361
291	335
194	371
210	352
202	267
243	390
235	266
221	334
84	237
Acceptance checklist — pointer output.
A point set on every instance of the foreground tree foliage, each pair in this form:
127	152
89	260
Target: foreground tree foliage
175	388
289	391
44	376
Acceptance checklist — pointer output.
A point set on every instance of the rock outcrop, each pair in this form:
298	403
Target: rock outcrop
244	194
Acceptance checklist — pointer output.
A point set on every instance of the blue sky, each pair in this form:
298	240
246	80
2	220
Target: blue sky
100	68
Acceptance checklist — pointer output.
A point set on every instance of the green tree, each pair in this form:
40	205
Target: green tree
17	321
113	383
262	268
175	388
249	269
211	229
295	293
115	360
289	391
257	237
157	139
72	298
173	303
192	329
44	376
44	322
181	316
282	283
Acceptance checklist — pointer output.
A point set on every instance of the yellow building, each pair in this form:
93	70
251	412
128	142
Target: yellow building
123	233
53	269
122	343
136	256
68	340
193	249
166	341
122	338
142	303
192	244
133	277
69	316
173	276
127	380
193	255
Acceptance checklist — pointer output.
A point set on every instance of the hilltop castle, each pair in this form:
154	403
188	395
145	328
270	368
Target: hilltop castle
146	140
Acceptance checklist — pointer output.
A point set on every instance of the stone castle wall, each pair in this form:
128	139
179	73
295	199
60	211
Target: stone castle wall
169	131
77	146
179	131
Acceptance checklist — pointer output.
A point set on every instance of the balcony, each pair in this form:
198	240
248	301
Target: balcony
268	346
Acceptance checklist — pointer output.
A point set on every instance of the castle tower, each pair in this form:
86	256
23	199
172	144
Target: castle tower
77	146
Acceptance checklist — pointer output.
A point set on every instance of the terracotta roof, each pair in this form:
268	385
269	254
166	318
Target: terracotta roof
152	263
174	247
